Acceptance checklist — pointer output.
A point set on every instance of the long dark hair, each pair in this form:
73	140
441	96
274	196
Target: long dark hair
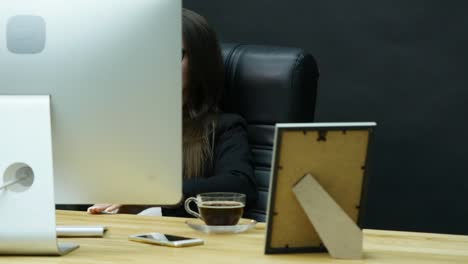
201	106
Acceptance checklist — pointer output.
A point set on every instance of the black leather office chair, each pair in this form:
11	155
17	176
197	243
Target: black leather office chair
268	85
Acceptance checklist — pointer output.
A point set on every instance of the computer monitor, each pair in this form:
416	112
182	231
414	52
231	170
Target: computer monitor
113	73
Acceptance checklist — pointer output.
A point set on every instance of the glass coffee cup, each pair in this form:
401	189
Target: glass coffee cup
218	208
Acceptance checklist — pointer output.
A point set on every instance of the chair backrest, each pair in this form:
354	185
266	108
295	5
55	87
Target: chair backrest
268	85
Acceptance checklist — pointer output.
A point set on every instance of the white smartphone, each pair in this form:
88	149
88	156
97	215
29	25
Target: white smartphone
166	240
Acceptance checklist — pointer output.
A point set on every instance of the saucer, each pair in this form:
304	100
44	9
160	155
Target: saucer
242	226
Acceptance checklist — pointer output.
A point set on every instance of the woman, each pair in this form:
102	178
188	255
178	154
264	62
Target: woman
216	154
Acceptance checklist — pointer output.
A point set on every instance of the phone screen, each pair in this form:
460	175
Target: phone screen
166	240
163	237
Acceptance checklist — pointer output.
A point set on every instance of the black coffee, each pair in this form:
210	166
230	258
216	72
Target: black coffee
221	212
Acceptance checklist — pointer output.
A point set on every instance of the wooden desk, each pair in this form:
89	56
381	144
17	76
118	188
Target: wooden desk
379	246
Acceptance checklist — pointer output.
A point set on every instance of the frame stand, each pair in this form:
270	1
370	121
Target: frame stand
340	235
27	207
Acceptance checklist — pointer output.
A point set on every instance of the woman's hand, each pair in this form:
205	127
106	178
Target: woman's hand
104	208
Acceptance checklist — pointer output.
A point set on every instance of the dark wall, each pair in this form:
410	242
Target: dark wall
400	63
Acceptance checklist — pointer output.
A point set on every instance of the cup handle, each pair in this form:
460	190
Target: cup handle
187	207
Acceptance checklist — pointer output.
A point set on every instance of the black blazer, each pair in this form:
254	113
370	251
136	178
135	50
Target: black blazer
232	169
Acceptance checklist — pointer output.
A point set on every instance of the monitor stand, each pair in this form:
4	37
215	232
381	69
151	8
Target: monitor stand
27	206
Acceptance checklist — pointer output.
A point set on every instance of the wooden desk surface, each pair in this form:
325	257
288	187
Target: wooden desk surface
379	246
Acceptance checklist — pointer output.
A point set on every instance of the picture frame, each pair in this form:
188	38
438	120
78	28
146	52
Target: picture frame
336	155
